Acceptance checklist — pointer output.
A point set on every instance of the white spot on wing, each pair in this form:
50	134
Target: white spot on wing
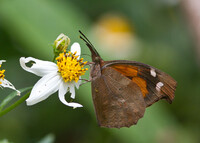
122	100
153	72
159	85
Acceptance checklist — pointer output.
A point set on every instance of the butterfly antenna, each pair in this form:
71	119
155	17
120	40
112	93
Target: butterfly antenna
88	43
86	39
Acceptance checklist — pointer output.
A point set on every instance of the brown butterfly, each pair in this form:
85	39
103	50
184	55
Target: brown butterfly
121	89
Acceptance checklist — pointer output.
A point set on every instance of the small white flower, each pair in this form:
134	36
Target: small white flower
5	83
61	77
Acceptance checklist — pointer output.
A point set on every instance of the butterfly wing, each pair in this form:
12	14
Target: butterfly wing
117	100
153	83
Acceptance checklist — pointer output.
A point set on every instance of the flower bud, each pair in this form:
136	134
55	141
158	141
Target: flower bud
60	44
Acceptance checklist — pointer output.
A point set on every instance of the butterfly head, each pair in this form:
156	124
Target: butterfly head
97	60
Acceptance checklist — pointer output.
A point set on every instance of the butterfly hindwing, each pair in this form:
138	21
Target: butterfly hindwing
153	83
120	102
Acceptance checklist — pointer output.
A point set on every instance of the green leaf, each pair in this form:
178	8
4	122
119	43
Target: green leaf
11	96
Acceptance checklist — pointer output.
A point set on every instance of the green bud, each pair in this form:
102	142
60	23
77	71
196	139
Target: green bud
62	42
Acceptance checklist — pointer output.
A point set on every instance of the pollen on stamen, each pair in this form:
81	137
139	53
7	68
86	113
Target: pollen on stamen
70	67
2	75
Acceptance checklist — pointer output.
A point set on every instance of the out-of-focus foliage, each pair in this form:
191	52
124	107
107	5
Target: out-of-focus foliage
29	28
50	138
4	141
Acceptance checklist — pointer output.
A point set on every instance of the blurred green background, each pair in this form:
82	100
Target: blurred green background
157	34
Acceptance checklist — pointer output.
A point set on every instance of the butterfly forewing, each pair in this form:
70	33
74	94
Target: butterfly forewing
153	83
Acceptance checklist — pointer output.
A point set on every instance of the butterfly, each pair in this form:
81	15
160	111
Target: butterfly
122	89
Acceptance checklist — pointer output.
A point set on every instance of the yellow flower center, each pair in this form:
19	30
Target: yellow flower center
70	67
2	75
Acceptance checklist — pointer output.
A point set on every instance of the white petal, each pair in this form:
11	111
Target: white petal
77	84
72	90
59	42
60	36
7	84
46	86
1	61
76	48
61	94
39	67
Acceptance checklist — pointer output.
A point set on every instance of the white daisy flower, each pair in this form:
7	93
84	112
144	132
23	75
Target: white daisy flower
5	83
62	77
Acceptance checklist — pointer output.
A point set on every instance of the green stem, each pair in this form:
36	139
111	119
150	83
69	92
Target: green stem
21	100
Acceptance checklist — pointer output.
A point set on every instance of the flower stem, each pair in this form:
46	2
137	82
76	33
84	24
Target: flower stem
21	100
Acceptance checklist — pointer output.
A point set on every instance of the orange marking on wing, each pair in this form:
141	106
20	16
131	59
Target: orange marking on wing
142	84
131	71
126	70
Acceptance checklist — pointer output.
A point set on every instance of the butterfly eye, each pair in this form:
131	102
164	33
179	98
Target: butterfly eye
97	60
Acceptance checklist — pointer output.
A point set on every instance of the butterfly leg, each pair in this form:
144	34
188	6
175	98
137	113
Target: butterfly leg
90	64
86	81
